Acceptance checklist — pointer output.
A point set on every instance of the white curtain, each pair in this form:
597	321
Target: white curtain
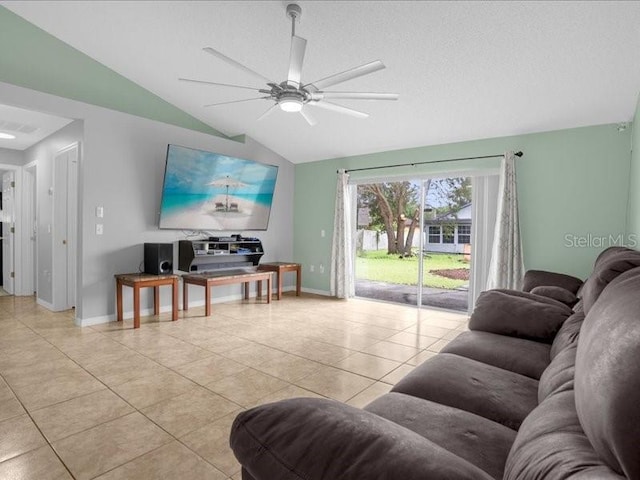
342	285
506	268
484	204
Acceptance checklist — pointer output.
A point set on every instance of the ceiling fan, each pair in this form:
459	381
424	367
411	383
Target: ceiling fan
294	96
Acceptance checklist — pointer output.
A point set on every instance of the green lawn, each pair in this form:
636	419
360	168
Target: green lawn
378	266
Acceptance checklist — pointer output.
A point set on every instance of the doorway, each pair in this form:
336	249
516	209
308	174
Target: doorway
65	227
8	233
413	242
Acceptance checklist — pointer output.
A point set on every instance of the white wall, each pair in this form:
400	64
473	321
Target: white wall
121	169
11	157
43	153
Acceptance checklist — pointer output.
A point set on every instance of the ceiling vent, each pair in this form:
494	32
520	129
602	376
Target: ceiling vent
9	126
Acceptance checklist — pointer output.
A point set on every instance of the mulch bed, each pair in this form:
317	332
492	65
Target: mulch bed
453	273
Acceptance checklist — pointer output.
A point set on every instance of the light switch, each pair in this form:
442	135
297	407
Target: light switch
99	212
99	229
322	233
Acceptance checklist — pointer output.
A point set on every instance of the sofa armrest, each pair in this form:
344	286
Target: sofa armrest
540	278
316	439
557	293
519	314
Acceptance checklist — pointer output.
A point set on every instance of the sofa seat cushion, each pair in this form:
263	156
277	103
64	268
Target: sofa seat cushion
320	439
558	377
481	442
518	355
551	445
491	392
519	314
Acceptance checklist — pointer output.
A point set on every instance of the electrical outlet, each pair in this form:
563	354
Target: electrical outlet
312	268
99	229
322	233
100	212
321	268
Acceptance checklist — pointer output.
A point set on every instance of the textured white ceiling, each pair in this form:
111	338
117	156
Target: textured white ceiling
28	127
464	70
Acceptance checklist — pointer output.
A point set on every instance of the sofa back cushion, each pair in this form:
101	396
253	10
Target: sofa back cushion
607	378
609	264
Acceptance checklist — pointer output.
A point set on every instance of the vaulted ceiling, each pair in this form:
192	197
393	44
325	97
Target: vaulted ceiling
464	70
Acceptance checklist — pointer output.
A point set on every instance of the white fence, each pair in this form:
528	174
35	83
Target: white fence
372	240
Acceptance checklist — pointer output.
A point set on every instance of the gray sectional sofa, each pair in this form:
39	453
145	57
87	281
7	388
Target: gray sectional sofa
543	386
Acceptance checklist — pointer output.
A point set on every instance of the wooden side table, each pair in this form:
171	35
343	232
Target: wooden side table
145	280
211	279
281	267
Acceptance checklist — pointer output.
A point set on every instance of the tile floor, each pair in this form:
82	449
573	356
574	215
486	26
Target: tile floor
110	402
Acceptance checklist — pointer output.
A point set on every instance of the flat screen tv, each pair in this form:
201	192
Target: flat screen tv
212	192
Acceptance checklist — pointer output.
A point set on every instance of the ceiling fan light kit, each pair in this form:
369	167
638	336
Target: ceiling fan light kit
291	95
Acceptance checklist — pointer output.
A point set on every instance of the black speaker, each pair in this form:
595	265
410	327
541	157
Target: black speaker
158	258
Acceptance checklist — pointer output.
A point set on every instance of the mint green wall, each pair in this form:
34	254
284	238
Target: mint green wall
633	222
571	182
32	58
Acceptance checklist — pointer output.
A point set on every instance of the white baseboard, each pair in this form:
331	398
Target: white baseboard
44	304
316	292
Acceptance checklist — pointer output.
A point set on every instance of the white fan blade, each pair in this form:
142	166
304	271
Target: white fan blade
238	65
298	46
219	84
355	95
271	109
339	108
365	69
235	101
308	117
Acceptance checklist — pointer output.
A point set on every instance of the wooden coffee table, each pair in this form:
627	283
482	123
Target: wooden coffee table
212	279
145	280
281	267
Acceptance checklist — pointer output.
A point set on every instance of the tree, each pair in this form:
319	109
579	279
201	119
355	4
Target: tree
392	205
395	205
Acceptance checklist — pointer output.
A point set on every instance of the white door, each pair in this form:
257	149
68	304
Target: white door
8	233
29	225
65	227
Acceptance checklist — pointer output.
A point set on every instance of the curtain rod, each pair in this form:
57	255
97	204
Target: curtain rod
517	154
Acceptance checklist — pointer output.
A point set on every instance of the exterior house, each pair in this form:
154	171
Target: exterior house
449	232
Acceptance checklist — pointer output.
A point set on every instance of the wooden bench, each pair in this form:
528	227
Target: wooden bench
213	279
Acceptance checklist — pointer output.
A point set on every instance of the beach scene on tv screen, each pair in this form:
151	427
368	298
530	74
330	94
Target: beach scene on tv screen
208	191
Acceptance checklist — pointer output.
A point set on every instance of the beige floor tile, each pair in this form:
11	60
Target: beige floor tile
40	464
451	335
210	369
18	435
420	358
171	461
247	386
123	369
174	357
392	351
398	374
104	447
253	355
222	343
412	340
57	389
36	373
67	418
442	322
184	413
333	383
10	407
211	442
292	391
439	345
320	351
369	395
145	391
428	330
289	367
367	365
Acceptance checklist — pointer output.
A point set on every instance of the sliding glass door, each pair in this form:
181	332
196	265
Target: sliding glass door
413	242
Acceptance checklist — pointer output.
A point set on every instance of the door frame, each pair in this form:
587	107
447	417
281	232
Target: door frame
18	233
30	271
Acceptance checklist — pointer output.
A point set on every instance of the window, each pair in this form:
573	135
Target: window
448	233
434	234
464	233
